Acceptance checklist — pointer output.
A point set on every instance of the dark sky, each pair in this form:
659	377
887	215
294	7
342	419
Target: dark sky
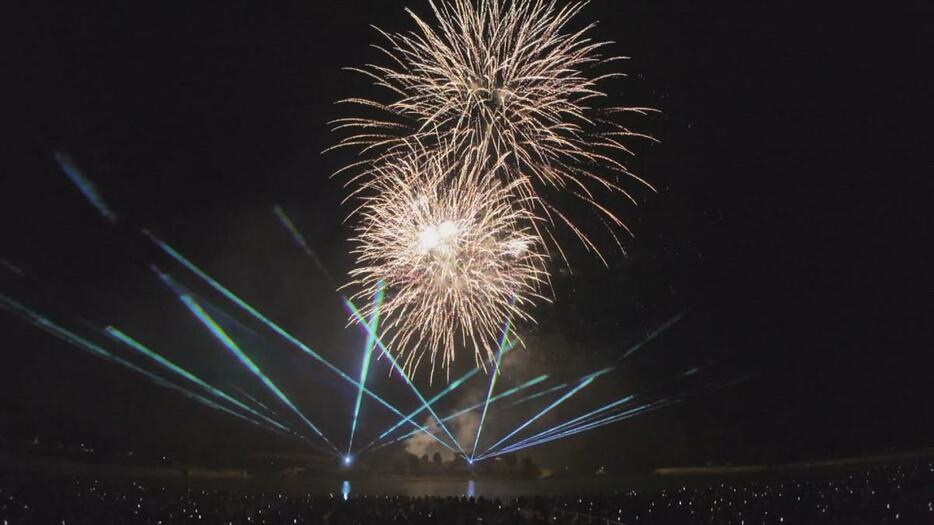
791	226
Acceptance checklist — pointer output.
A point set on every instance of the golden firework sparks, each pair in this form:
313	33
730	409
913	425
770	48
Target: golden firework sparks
456	255
511	81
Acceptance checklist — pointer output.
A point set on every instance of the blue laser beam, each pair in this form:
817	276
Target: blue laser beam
583	384
489	392
75	340
253	400
590	426
471	408
365	365
652	335
447	390
85	186
117	335
359	318
11	267
178	257
537	395
232	346
301	243
579	419
450	388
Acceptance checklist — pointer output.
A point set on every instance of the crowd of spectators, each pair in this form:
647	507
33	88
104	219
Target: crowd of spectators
882	494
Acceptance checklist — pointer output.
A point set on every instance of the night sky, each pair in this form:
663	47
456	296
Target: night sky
791	226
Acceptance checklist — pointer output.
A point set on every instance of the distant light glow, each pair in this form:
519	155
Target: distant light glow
85	186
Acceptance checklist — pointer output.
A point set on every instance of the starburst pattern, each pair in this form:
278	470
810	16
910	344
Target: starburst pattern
456	255
511	81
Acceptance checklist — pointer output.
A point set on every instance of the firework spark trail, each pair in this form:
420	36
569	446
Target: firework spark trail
489	391
373	327
359	318
117	335
513	90
471	408
275	328
85	186
73	339
455	252
583	384
503	79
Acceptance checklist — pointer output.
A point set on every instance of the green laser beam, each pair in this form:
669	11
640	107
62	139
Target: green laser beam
232	346
471	408
583	384
489	392
359	318
590	426
120	336
178	257
75	340
580	419
365	365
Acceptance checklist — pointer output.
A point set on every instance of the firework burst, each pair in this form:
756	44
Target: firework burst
509	81
456	255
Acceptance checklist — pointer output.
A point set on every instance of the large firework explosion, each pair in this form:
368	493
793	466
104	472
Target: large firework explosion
455	253
511	81
509	89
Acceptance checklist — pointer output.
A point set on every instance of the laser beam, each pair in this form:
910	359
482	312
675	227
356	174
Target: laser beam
447	390
85	186
253	400
583	384
11	267
232	346
584	417
178	257
75	340
450	388
365	365
359	318
537	395
117	335
489	392
302	244
652	335
497	397
590	426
